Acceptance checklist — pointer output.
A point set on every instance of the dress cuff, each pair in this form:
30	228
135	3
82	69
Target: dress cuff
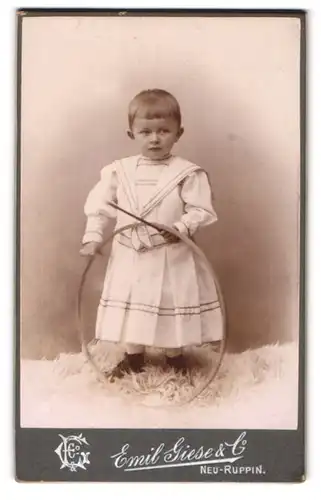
91	236
181	227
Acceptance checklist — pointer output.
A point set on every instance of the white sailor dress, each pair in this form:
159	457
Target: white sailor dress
155	293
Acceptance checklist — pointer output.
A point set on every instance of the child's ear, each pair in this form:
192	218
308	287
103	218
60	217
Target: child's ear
180	133
130	134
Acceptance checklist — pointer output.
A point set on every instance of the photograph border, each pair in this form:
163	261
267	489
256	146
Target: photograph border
271	455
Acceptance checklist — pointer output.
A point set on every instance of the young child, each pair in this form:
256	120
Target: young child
157	291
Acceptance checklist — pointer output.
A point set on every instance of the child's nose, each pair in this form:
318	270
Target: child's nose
154	137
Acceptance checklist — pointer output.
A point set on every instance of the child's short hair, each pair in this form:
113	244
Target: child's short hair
154	103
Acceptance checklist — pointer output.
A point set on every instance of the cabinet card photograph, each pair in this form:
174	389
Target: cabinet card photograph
160	278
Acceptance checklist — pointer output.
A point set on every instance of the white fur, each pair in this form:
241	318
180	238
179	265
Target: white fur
257	388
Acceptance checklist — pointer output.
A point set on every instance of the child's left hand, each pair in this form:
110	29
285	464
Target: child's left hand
169	237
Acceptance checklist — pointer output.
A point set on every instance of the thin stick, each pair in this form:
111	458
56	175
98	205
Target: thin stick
117	207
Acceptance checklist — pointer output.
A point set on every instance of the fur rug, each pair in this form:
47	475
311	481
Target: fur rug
253	389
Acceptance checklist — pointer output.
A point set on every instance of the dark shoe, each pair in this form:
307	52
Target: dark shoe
131	363
178	363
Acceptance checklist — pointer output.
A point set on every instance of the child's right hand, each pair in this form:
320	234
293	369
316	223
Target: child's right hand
89	249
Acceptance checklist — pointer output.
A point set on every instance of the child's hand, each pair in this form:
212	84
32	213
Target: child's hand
89	249
169	237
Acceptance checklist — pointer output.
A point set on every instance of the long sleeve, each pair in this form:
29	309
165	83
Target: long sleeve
197	196
96	209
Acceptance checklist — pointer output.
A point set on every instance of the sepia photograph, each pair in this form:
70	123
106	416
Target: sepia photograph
160	220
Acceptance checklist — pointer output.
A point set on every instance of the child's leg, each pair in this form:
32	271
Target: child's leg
173	352
135	357
176	360
133	361
134	348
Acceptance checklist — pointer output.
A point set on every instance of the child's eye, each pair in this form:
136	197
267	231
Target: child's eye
145	132
164	131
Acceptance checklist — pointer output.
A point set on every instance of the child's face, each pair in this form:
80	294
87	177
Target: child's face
156	137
